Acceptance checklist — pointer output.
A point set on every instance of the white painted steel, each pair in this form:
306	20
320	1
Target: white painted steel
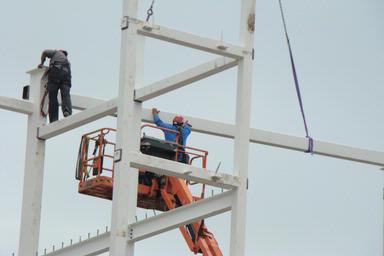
83	102
323	148
33	173
90	247
198	124
242	129
191	40
128	134
172	168
259	136
180	216
19	106
280	140
184	78
106	108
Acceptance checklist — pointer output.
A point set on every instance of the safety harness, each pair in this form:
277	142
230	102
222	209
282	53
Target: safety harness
44	79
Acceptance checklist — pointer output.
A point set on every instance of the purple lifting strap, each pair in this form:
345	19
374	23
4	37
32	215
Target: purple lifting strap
310	140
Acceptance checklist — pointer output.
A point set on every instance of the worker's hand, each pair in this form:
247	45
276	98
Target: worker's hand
40	66
155	111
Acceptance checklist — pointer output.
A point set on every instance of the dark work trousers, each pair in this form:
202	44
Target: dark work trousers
59	79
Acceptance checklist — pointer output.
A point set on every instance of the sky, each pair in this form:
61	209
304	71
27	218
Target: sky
298	204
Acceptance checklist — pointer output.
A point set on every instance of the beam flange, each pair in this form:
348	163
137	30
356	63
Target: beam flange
190	40
180	216
15	105
184	78
188	172
90	247
77	120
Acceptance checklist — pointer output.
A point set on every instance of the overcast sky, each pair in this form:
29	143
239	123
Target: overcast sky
298	204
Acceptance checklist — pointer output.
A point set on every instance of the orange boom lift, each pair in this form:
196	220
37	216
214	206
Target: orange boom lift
95	168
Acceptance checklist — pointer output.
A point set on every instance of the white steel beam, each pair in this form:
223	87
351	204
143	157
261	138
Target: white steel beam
320	147
190	40
279	140
172	168
128	132
259	136
19	106
47	131
184	78
81	102
90	247
33	174
198	124
242	129
180	216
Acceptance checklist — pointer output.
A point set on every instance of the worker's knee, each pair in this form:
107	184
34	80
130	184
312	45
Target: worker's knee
52	88
65	89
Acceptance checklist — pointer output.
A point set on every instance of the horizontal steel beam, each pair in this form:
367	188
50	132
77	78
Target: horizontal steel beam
188	172
82	102
15	105
263	137
78	119
319	148
198	124
184	78
190	40
180	216
90	247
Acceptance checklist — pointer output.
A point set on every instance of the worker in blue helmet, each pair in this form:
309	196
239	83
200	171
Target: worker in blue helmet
59	78
178	124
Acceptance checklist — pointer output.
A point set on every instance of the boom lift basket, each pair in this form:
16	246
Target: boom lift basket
95	169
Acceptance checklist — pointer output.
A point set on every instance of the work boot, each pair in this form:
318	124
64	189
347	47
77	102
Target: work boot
66	113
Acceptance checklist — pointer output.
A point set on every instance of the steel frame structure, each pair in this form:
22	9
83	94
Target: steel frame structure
125	231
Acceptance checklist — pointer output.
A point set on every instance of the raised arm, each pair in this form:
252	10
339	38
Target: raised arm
158	121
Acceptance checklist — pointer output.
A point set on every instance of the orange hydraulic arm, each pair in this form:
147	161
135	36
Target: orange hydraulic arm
197	236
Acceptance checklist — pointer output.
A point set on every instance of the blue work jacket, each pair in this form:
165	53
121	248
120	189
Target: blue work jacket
171	136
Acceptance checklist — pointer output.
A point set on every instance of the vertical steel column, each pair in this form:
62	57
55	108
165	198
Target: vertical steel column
33	173
242	130
128	133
